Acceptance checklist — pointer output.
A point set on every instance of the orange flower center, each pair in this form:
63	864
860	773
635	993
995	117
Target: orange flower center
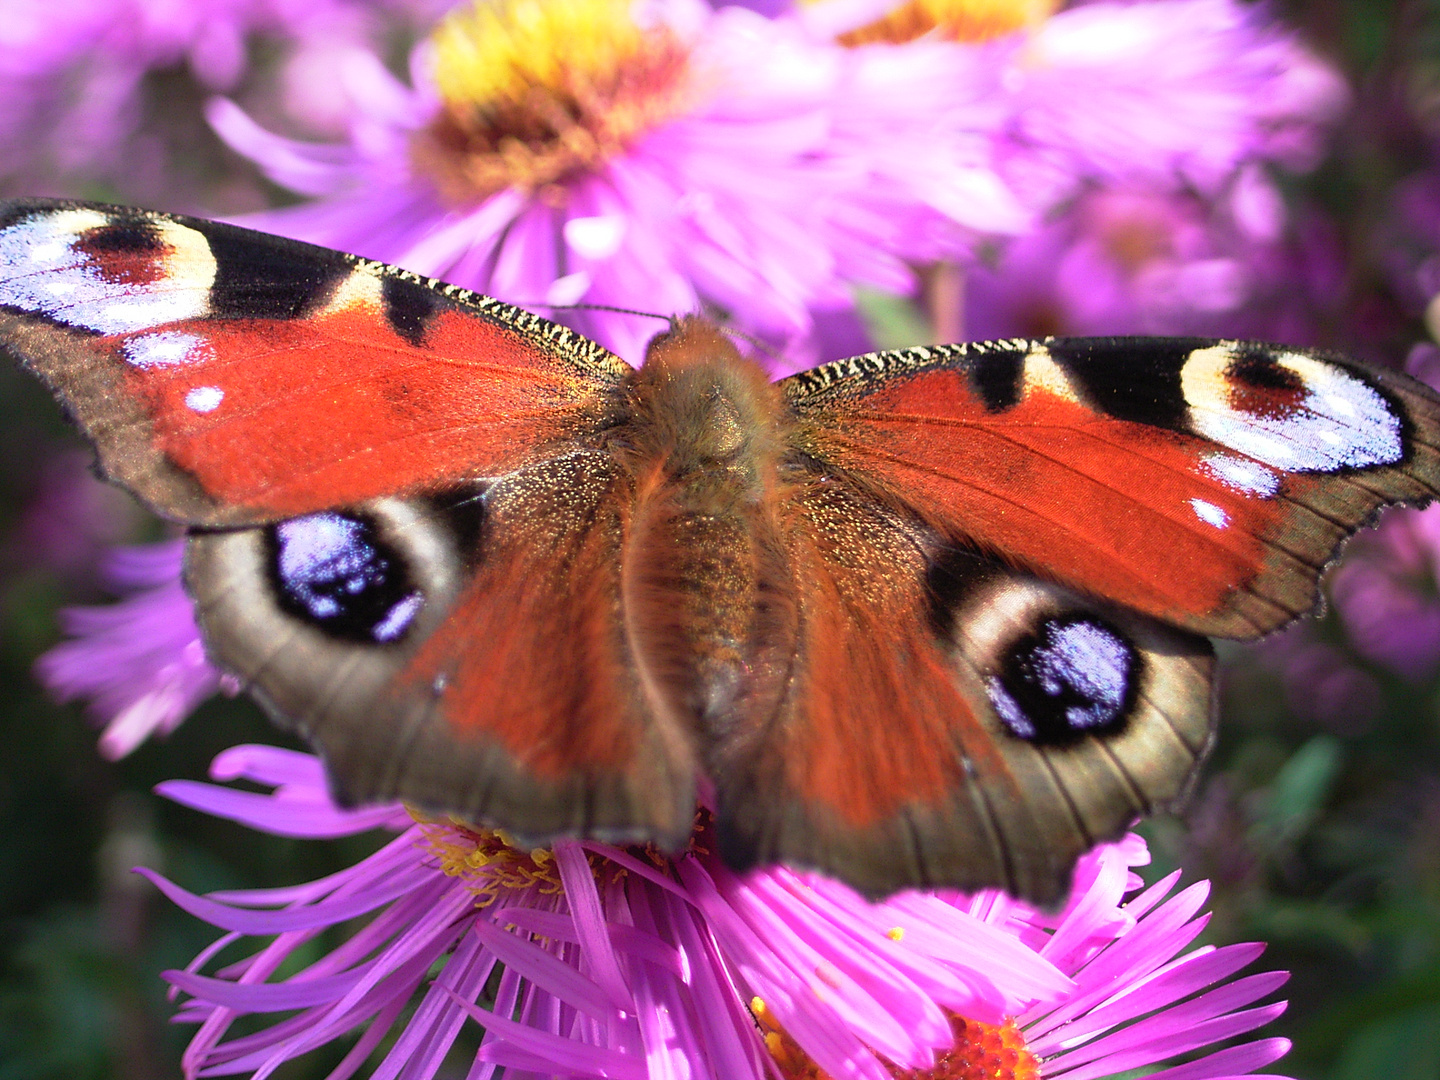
953	20
980	1052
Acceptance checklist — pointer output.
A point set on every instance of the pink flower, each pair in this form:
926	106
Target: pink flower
140	661
1176	94
1170	92
713	157
621	963
1128	260
71	73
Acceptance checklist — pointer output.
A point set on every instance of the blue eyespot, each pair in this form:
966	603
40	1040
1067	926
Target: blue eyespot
1073	676
333	571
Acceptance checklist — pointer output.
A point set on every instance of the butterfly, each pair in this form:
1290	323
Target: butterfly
932	617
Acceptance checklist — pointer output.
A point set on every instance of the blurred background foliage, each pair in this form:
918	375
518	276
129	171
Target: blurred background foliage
1317	821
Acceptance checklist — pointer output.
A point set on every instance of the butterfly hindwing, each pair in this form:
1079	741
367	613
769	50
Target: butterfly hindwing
943	722
1205	483
228	377
462	653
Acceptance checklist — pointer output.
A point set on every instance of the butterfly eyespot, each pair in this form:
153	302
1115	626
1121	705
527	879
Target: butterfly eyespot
335	572
92	270
1293	412
1073	675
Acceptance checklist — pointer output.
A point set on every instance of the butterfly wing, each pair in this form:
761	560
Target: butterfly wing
1204	483
944	722
233	378
463	652
375	468
1004	555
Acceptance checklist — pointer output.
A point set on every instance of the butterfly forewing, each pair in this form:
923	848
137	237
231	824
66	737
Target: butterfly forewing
232	378
1204	483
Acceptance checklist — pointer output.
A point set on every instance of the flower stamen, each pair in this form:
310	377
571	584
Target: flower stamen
535	91
952	20
980	1052
489	863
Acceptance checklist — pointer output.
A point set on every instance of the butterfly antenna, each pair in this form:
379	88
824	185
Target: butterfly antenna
758	344
602	307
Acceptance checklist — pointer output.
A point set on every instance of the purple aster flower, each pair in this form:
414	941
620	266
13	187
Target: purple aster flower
71	519
71	74
1147	260
1386	591
1409	243
1386	594
1321	681
1167	91
681	156
140	662
590	960
1177	93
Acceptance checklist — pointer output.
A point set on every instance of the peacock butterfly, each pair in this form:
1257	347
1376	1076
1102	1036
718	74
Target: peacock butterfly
931	617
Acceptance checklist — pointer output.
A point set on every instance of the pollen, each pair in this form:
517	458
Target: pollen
980	1052
488	863
535	92
951	20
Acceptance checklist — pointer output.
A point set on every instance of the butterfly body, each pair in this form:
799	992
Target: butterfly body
930	617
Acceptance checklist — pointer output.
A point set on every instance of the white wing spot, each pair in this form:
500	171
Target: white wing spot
1209	513
204	399
1242	475
166	348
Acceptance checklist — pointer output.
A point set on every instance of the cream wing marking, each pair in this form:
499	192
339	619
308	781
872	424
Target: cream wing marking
1297	413
57	269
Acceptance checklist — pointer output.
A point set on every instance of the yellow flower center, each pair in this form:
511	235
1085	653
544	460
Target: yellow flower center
953	20
488	862
536	91
980	1052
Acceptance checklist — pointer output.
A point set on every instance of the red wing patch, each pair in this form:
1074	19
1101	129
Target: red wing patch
230	377
1211	499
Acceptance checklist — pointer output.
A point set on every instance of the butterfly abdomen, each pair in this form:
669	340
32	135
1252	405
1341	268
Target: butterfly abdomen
706	595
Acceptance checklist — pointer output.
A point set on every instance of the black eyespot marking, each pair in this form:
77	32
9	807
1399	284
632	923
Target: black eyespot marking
335	573
1073	676
409	306
1131	378
1257	368
252	283
951	575
462	508
995	377
126	237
